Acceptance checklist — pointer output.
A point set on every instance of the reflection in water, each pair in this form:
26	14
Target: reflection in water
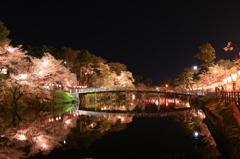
148	104
46	133
31	137
92	126
78	129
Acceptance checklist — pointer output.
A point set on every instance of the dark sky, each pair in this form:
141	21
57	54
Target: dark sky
154	39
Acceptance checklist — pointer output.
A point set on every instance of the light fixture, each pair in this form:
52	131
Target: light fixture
238	73
224	81
194	67
229	79
234	77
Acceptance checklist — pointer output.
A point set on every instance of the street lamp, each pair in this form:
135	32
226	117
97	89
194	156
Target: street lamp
229	80
166	87
224	83
234	79
195	70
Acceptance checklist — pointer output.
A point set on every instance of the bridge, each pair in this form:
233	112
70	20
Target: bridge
76	93
117	89
133	89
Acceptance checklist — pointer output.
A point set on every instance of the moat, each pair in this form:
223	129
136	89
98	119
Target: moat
149	128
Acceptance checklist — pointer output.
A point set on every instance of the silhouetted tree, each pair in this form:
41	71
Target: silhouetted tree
164	81
207	55
138	79
148	82
4	32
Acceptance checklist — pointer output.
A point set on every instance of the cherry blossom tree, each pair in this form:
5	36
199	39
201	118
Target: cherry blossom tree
212	75
14	60
48	70
109	78
125	79
27	78
105	78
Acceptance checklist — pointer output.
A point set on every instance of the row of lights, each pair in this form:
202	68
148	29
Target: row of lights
58	85
57	118
232	78
229	79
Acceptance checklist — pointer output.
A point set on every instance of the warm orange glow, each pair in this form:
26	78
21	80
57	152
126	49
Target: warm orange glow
45	63
238	73
44	145
234	77
224	81
68	121
229	79
10	49
23	76
22	137
81	87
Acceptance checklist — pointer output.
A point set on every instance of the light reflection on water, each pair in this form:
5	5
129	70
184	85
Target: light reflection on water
150	104
79	129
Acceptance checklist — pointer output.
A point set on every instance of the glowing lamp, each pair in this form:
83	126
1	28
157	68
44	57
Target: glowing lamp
229	79
234	77
224	81
194	67
238	73
22	137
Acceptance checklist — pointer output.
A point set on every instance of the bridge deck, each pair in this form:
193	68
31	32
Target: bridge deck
131	89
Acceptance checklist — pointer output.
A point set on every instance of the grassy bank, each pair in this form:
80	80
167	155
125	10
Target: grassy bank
60	97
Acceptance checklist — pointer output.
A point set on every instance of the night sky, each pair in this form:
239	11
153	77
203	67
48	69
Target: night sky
154	39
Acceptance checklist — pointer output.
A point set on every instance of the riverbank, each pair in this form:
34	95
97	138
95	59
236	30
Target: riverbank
221	120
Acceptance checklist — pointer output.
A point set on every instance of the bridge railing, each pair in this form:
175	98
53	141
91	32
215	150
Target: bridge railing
139	89
108	89
228	96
